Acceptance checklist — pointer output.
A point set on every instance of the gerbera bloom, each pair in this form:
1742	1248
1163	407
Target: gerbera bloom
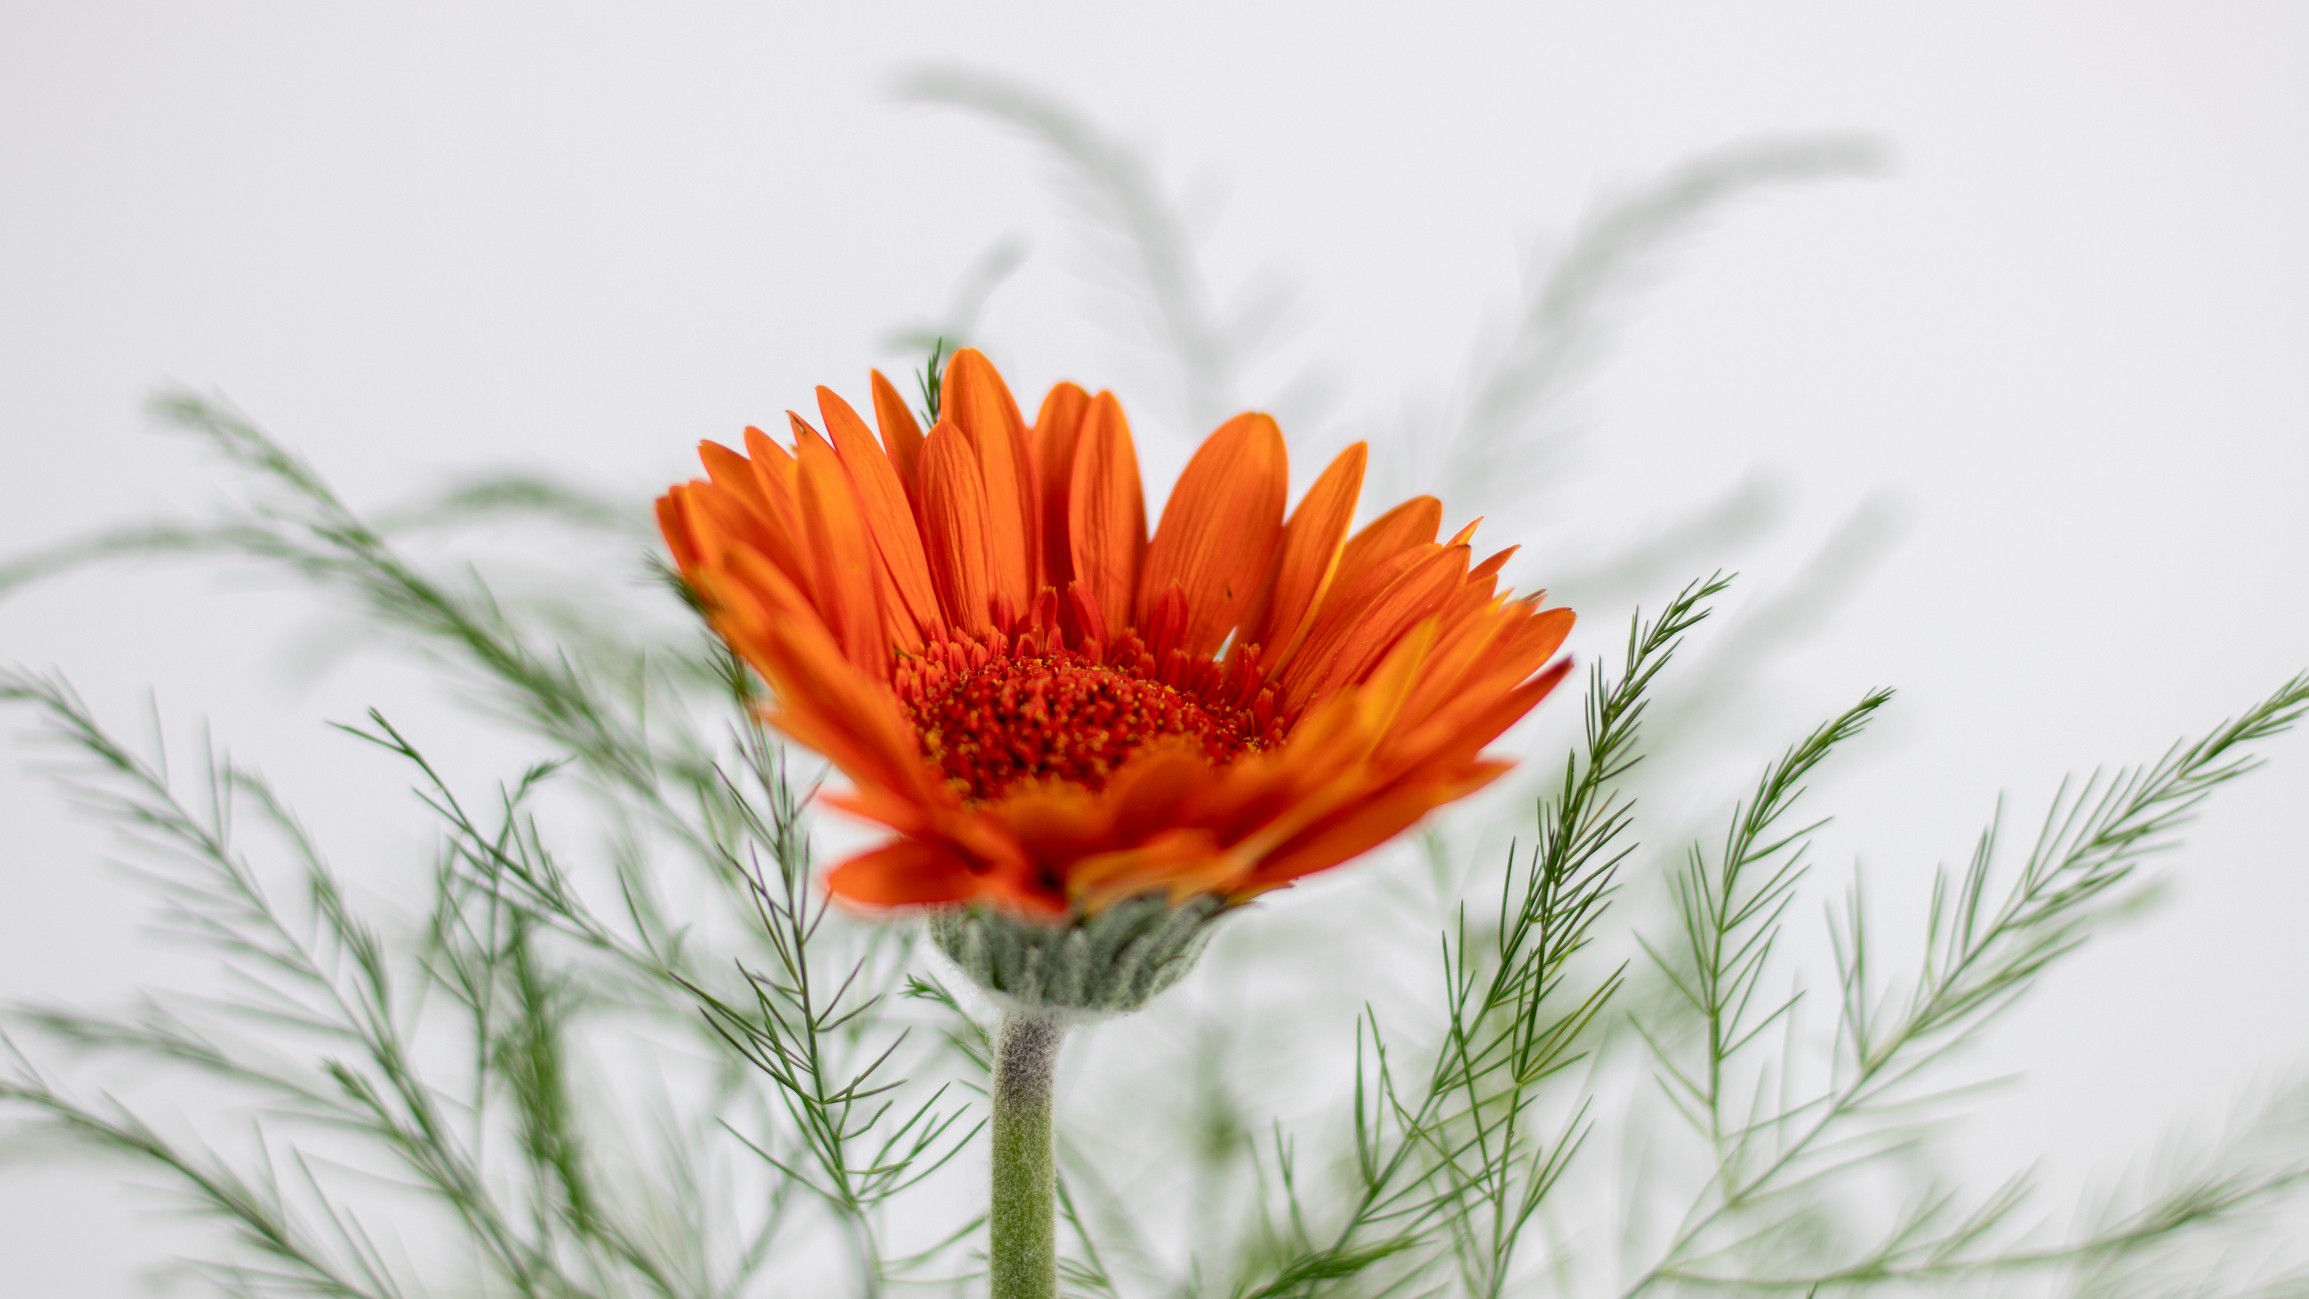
1054	711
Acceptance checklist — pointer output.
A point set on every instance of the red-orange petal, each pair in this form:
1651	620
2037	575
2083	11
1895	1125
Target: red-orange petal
1219	529
673	525
824	704
901	435
774	474
1413	523
1057	428
1343	649
746	595
1369	823
1178	862
906	873
954	527
1106	513
1471	722
1309	555
719	522
848	572
738	506
1466	653
734	474
889	515
974	398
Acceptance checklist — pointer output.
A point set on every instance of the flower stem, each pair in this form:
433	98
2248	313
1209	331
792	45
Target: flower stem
1023	1224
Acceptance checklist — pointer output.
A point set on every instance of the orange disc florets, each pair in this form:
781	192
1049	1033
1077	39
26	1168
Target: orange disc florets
1063	717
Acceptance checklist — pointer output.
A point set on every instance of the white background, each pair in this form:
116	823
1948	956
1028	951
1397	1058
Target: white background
2059	341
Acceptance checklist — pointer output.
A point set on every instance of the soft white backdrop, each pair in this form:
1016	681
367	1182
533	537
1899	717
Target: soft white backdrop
2059	340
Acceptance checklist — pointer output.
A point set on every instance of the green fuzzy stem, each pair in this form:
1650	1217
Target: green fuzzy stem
1023	1225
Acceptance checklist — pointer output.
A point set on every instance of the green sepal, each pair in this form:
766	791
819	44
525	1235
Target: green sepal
1110	962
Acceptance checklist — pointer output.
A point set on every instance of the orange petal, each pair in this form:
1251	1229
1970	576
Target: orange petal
896	811
1106	513
1461	731
1368	823
733	473
954	527
827	705
823	702
1344	648
804	431
719	522
1220	528
1147	791
1168	863
688	511
908	872
673	525
773	471
889	516
1529	636
849	578
748	510
984	841
1054	823
1413	523
1056	430
1465	654
1457	692
1309	555
774	477
976	400
1341	606
901	436
1390	684
747	595
1332	760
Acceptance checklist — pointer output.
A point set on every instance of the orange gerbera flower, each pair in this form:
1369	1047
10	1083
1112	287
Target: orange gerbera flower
1054	712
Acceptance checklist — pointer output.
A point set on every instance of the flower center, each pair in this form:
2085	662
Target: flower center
1062	717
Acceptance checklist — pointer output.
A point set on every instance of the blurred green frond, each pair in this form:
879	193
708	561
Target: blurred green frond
929	380
1499	451
1455	1156
1986	946
1116	193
